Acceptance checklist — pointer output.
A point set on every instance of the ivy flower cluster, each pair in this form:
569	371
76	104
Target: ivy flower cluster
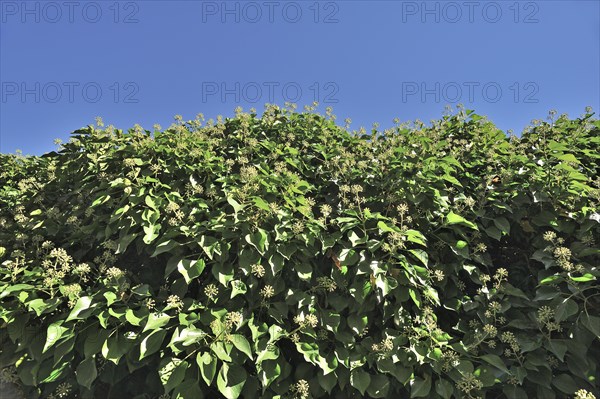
394	242
62	391
562	254
514	349
211	291
175	302
326	283
438	274
584	394
72	291
301	389
114	273
384	348
468	383
267	292
309	320
258	270
450	359
106	260
234	319
82	270
192	190
481	247
57	264
545	317
494	308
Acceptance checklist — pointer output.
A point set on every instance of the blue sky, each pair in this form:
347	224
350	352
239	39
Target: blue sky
63	64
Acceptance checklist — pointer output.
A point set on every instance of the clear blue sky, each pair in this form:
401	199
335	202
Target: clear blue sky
61	65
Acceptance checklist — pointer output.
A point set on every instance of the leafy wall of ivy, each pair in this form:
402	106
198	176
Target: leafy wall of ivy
284	256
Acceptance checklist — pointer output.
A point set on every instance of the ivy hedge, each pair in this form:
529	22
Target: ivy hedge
285	256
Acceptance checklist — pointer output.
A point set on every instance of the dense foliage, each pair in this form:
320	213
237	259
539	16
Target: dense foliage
283	256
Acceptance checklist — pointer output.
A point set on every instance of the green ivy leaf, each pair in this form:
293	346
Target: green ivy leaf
461	248
208	366
515	392
258	240
262	204
592	323
327	381
151	233
172	372
242	344
236	205
495	361
355	239
360	380
565	383
238	287
444	388
357	323
13	288
114	348
494	232
503	224
221	351
54	333
585	278
110	296
189	336
164	246
554	279
379	386
100	200
156	320
124	242
188	389
132	318
420	387
270	370
86	372
208	245
559	348
152	343
415	296
151	202
416	236
385	227
452	218
231	380
568	158
41	306
55	373
190	269
565	309
420	255
82	304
